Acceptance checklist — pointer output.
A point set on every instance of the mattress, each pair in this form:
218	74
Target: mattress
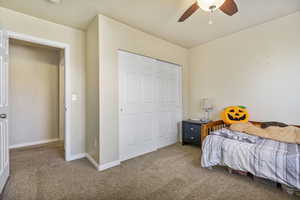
277	161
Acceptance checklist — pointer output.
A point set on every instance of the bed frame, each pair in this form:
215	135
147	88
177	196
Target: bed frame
211	126
216	125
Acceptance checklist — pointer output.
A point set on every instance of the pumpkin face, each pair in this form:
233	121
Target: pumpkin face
235	115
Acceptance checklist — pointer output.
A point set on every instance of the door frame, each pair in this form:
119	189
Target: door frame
67	81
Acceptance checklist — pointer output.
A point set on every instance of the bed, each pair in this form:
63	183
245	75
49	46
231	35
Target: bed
269	159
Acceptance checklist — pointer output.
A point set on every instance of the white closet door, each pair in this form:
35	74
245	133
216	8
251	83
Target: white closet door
150	104
137	105
4	153
169	104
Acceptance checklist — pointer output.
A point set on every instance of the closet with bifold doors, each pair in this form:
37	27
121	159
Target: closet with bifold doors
150	104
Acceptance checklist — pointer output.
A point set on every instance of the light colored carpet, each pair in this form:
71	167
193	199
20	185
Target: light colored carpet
172	173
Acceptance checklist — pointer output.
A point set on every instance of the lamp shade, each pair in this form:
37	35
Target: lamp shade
206	5
206	104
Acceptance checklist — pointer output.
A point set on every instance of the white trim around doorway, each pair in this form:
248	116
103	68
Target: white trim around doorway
67	78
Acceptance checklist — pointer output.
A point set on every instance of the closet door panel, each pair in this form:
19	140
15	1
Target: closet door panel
169	108
137	106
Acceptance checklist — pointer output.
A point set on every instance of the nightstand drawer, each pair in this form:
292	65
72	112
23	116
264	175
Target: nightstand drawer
191	133
191	130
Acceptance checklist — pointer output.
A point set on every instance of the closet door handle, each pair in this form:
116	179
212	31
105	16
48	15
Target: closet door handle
3	116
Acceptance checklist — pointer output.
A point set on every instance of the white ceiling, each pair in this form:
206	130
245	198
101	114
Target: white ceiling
158	17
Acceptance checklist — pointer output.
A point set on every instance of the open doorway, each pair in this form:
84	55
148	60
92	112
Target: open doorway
37	94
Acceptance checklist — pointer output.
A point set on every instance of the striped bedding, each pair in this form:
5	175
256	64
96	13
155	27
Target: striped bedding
277	161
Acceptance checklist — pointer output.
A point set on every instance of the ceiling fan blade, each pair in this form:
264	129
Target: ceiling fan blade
189	12
229	7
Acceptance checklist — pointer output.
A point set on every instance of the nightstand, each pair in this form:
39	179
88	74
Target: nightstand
191	132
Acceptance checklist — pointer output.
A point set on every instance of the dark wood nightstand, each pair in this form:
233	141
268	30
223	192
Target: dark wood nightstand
191	132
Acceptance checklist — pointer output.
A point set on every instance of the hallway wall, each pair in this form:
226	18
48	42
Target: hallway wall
33	93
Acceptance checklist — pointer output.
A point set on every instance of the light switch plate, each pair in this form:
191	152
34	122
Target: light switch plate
74	97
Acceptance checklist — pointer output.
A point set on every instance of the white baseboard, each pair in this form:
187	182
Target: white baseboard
92	160
109	165
15	146
76	157
72	157
104	166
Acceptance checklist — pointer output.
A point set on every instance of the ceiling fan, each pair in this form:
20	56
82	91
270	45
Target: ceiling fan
229	7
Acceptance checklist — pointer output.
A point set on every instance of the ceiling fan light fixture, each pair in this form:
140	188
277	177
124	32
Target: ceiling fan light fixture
210	5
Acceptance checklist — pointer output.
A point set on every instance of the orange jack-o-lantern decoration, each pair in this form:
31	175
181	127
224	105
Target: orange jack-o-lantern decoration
235	115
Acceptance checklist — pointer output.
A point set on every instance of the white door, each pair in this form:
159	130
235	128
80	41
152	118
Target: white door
150	104
137	105
4	153
169	103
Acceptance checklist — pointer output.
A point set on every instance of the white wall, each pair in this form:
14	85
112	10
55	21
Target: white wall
113	36
25	24
92	90
258	67
33	94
